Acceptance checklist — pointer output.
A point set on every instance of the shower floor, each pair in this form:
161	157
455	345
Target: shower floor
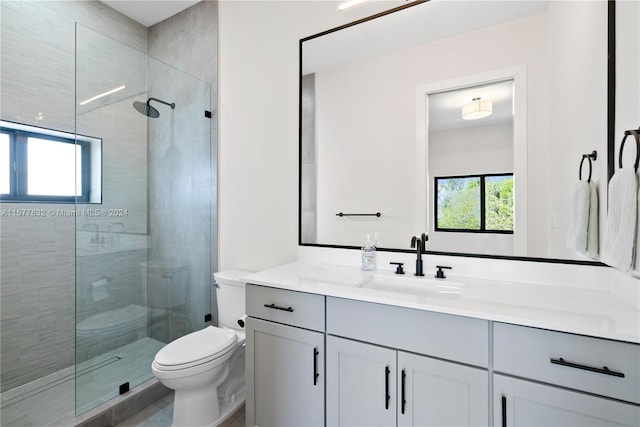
45	401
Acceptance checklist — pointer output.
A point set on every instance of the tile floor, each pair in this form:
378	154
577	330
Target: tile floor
160	414
48	400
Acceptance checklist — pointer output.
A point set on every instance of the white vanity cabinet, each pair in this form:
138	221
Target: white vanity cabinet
382	383
563	379
522	403
316	360
437	393
361	384
285	362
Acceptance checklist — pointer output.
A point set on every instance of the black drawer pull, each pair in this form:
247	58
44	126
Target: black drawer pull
403	397
387	371
275	307
315	365
604	370
504	411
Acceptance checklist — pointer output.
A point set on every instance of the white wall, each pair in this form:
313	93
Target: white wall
576	119
258	148
627	77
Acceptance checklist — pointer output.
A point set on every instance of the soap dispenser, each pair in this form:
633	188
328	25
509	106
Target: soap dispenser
368	255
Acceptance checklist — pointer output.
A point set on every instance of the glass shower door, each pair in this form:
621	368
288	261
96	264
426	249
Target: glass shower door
143	243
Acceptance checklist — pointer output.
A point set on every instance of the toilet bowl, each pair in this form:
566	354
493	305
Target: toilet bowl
206	368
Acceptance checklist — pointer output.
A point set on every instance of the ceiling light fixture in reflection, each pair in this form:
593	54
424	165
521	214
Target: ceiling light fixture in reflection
477	109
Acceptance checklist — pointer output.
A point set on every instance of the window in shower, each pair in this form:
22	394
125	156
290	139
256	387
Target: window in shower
5	164
42	165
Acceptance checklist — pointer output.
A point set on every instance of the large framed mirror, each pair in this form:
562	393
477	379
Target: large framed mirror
385	149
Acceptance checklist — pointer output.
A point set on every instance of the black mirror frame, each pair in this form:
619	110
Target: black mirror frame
611	105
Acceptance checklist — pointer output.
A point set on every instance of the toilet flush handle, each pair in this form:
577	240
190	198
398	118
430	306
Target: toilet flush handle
215	285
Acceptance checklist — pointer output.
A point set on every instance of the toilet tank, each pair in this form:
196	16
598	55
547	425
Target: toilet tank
167	284
231	297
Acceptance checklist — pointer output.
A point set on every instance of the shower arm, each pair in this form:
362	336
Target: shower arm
172	105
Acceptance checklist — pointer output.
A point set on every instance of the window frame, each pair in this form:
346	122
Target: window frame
483	215
18	158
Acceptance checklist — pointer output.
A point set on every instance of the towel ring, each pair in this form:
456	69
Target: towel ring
636	135
592	156
590	168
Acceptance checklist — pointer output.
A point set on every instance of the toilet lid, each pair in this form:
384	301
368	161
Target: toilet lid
197	346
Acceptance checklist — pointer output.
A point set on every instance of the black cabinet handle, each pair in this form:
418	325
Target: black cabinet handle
504	411
387	371
315	365
604	370
275	307
402	390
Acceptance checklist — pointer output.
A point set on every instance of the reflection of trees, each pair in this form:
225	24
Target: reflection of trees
499	203
459	203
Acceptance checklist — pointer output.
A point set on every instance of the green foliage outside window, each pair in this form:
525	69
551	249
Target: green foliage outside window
459	203
499	202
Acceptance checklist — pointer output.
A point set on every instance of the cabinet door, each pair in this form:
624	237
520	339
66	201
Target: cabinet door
285	381
437	393
361	384
524	403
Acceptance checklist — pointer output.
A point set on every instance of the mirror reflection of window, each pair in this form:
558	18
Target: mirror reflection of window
474	203
498	203
470	166
458	204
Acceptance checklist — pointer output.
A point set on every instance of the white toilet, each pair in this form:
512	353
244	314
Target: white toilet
206	367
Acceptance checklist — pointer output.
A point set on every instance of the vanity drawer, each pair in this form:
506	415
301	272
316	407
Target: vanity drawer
457	338
568	360
283	306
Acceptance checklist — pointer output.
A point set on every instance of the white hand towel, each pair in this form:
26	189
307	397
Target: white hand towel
620	233
592	231
579	222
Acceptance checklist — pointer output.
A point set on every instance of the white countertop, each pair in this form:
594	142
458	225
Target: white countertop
580	311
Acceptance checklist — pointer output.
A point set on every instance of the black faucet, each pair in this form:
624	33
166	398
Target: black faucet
419	243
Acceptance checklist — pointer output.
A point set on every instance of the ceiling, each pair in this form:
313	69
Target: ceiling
149	12
445	107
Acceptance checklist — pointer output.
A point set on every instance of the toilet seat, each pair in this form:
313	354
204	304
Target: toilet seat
195	349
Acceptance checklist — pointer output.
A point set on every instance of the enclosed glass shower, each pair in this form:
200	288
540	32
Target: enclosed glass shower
143	254
142	246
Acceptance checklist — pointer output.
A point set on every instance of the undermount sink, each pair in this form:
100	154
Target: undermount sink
414	285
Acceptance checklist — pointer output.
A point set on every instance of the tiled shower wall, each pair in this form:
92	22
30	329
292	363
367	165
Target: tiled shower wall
37	255
182	205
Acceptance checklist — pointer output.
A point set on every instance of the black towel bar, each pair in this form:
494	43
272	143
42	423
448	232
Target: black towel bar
340	214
